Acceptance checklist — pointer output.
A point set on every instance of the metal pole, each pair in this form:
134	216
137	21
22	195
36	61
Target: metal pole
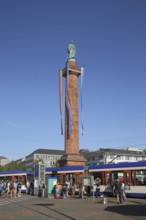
82	192
43	192
93	192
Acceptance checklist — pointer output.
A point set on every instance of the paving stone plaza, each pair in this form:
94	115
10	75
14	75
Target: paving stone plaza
73	208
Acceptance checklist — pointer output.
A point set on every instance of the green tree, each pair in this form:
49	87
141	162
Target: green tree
13	166
39	160
57	164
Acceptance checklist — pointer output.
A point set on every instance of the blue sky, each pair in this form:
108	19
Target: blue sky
110	40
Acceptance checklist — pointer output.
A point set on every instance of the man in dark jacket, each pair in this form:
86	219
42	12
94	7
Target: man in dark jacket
118	190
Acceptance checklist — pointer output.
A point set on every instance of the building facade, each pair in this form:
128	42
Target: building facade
48	157
4	160
101	156
111	155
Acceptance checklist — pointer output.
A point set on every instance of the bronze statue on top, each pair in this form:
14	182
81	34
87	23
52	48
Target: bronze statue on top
71	51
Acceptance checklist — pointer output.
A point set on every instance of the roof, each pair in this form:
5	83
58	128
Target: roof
47	151
121	151
113	151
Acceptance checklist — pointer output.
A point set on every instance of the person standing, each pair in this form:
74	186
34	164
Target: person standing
97	183
32	188
123	192
16	188
19	189
8	187
68	187
57	190
27	187
118	190
43	186
12	190
1	188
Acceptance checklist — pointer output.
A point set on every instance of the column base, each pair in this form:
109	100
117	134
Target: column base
72	160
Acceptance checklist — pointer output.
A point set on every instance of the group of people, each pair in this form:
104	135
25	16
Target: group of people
118	189
61	189
12	188
15	189
72	189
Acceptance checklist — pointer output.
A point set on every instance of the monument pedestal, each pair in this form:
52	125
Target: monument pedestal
72	160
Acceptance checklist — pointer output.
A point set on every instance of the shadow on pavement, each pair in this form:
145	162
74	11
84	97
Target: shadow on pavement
40	204
131	210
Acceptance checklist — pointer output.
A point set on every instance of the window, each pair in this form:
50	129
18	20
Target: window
122	157
37	156
117	174
140	177
111	157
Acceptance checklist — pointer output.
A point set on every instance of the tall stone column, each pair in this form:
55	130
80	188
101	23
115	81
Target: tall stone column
72	156
72	140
